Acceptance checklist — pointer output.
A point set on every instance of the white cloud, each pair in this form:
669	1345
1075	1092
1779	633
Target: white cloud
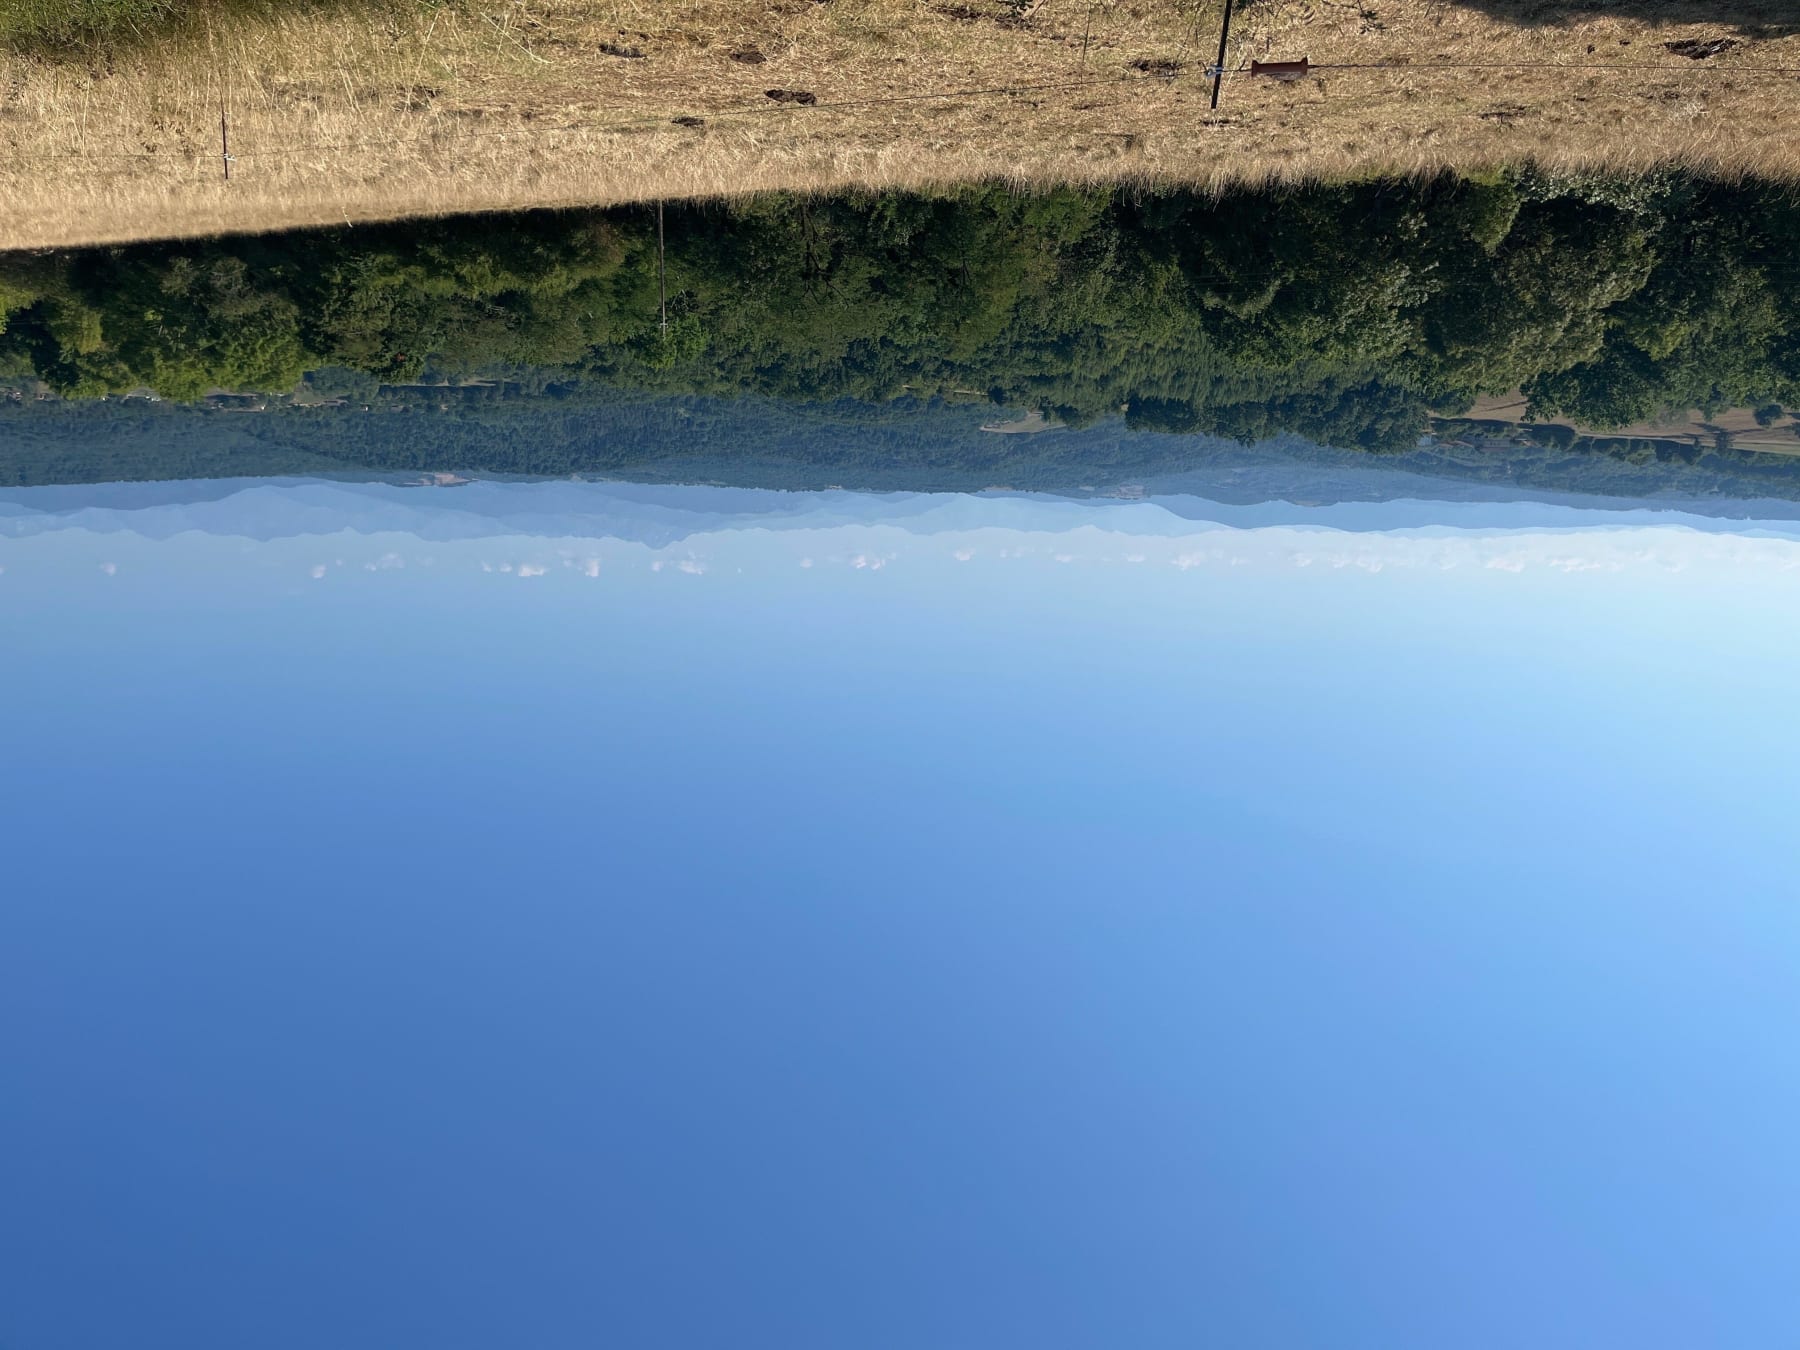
806	562
318	571
691	567
591	568
531	570
963	554
111	569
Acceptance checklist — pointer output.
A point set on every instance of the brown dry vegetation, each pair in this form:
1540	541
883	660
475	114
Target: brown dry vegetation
486	104
1737	427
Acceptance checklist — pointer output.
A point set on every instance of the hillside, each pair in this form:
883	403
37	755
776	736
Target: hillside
357	110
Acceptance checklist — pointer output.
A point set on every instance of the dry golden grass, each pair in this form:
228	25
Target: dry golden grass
491	104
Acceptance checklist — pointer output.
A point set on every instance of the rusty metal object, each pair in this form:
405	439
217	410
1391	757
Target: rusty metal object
1282	70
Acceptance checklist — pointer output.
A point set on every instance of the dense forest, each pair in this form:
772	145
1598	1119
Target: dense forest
905	445
1346	314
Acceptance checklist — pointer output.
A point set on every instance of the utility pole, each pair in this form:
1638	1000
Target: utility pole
224	141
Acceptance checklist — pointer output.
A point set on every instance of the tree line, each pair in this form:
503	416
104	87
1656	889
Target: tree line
1345	313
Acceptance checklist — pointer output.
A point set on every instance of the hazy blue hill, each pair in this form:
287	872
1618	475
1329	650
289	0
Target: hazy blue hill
907	445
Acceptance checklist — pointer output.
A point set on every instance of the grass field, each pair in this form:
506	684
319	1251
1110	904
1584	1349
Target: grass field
366	109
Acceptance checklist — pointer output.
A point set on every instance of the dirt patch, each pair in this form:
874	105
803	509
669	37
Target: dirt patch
962	13
1028	425
1697	49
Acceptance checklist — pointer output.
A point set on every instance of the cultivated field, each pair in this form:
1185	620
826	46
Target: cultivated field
368	109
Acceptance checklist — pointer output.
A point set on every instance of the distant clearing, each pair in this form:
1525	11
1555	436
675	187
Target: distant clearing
1776	431
362	110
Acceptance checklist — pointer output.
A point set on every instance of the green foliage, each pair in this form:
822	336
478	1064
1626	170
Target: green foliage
670	345
1348	313
11	298
1490	209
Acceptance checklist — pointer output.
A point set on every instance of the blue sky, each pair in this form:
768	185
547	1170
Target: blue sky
1294	938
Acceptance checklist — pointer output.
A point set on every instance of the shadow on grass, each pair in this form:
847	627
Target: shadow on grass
81	28
1744	20
76	29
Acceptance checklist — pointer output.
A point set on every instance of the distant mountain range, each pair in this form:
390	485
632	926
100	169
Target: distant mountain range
659	516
